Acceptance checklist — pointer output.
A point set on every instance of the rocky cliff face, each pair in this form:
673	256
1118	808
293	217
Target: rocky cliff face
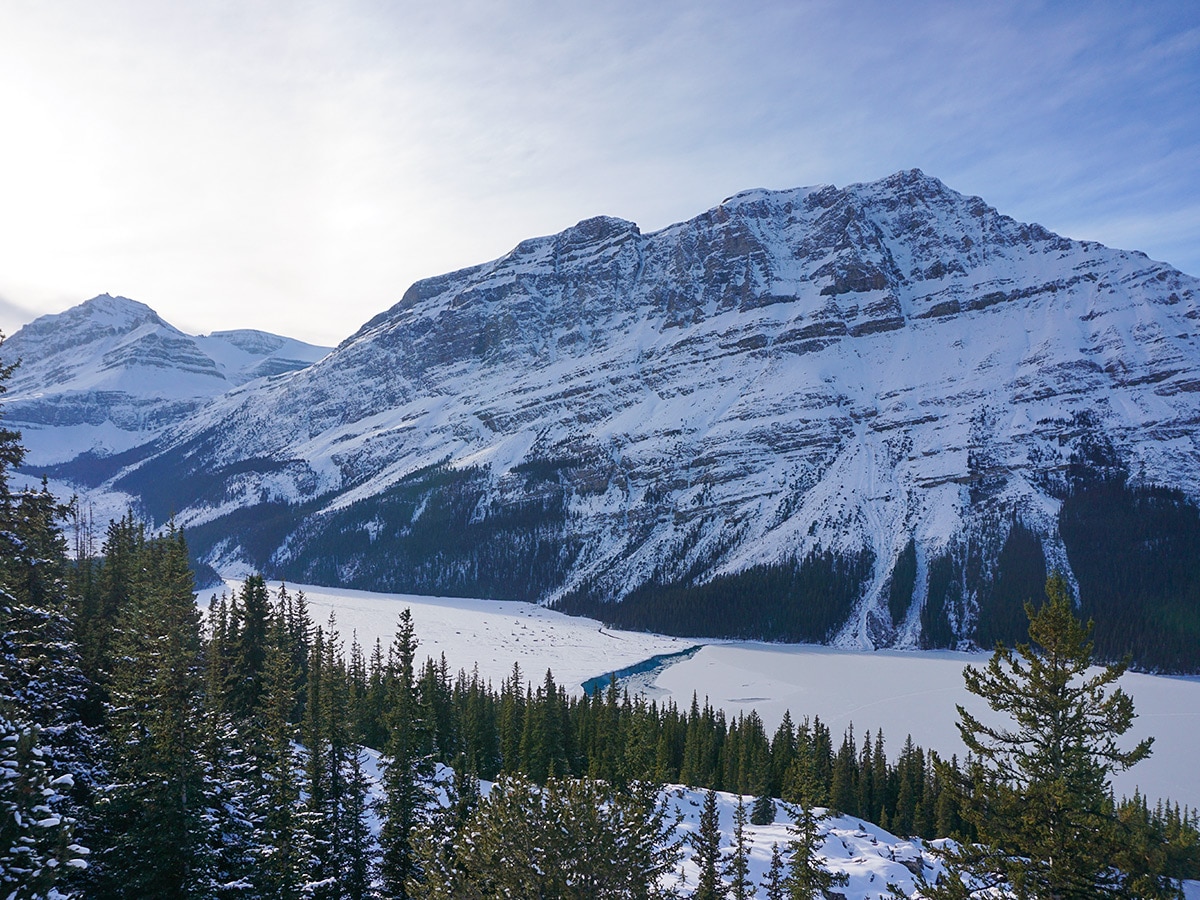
869	388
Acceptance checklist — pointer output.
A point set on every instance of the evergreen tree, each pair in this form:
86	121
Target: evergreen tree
439	838
783	752
737	867
1037	794
341	844
807	877
36	845
842	790
573	839
763	811
646	841
773	887
230	816
248	653
511	720
406	769
42	688
280	867
706	852
154	809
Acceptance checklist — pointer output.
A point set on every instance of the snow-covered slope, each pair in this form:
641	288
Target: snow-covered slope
870	858
110	374
798	381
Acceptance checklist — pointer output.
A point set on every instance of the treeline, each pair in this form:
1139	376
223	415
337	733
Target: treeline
147	753
796	600
543	731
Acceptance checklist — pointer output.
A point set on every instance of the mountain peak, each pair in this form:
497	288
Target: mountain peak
113	369
868	386
119	313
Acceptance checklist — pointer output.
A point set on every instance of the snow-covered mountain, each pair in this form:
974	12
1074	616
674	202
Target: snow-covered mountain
846	414
110	374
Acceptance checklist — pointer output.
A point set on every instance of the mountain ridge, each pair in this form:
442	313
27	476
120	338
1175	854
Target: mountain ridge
773	399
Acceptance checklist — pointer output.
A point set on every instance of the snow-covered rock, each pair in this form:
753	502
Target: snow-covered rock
110	374
835	369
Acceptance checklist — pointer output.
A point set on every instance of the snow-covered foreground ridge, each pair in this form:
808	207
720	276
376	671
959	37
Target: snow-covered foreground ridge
901	692
870	857
892	374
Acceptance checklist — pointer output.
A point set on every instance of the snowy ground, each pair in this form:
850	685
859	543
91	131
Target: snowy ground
869	856
902	692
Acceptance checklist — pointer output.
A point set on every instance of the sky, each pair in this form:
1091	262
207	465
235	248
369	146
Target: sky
295	166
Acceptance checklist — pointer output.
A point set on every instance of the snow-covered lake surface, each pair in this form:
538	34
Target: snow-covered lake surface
901	692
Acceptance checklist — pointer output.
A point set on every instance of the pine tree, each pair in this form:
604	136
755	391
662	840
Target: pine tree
574	839
807	877
439	839
842	791
773	887
646	841
511	720
706	852
406	769
280	868
1038	794
36	840
230	810
155	813
763	812
49	757
737	867
248	653
335	818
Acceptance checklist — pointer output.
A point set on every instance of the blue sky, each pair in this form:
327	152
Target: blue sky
295	166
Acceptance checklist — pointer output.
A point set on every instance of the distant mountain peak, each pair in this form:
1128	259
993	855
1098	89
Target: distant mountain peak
103	314
118	374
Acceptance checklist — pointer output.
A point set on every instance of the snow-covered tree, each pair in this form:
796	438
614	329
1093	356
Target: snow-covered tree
36	839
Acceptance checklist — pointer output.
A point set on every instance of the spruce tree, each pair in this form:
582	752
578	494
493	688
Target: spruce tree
36	839
763	811
706	852
280	868
248	653
773	887
50	760
335	820
570	839
406	769
737	867
154	808
1037	793
807	877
